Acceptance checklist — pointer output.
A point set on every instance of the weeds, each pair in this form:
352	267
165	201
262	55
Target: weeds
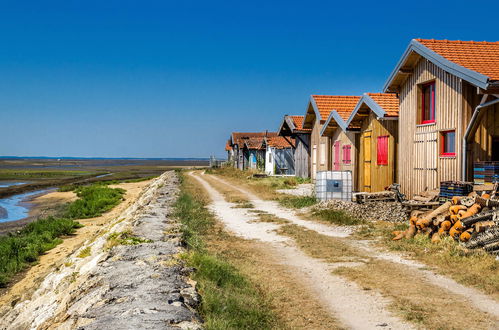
94	200
85	252
336	216
125	238
297	202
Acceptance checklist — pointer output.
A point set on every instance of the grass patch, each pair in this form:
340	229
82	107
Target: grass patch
337	217
85	252
266	217
18	251
125	238
297	202
229	301
11	174
94	200
469	267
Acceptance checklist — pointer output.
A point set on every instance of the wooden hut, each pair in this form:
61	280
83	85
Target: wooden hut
254	153
449	113
237	143
319	109
375	121
292	129
279	157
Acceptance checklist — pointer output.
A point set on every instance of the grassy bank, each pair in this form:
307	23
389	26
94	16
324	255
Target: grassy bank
229	300
17	251
26	174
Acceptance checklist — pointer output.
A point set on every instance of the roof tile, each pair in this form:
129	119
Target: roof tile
343	104
479	56
388	101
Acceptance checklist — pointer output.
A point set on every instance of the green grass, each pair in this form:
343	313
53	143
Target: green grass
9	174
336	216
229	300
18	251
94	200
297	202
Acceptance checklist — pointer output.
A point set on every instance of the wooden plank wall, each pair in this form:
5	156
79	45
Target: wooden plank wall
381	175
302	155
345	138
317	139
449	116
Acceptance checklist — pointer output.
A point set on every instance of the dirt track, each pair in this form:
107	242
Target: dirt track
355	307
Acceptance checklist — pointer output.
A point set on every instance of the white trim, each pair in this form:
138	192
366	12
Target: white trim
337	118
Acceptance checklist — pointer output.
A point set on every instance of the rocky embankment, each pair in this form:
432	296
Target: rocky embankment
131	277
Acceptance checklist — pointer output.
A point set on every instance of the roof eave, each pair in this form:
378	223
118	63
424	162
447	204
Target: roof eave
470	76
317	114
337	118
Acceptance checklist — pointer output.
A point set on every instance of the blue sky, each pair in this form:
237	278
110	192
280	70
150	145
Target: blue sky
174	78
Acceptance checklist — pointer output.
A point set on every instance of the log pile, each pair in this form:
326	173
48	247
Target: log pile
472	219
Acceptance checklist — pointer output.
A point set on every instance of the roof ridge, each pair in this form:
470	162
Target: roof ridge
459	41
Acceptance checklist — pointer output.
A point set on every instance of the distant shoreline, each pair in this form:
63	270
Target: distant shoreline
106	158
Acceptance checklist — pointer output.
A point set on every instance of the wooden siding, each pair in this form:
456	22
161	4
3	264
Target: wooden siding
315	140
345	138
302	155
380	175
419	142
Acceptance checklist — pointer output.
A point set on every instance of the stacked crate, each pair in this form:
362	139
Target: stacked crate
486	172
449	189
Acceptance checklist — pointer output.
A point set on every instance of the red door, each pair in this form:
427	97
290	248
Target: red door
337	145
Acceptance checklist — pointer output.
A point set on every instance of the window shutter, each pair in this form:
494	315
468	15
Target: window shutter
382	150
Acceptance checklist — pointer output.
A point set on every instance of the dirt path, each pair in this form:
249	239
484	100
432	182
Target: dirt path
355	307
478	299
56	257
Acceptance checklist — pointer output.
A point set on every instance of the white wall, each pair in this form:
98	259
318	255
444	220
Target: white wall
269	161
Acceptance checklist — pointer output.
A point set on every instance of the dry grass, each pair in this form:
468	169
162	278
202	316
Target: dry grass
266	217
472	268
414	299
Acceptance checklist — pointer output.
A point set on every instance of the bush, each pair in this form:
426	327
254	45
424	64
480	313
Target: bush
94	200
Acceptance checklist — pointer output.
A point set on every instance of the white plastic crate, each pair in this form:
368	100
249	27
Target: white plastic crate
334	185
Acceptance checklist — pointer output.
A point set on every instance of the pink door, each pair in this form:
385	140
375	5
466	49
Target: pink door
337	145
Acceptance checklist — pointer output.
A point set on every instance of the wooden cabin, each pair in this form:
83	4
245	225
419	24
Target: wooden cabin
292	129
242	155
254	153
375	122
449	113
319	109
229	151
279	156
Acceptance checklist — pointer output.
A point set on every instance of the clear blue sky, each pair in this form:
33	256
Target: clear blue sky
174	78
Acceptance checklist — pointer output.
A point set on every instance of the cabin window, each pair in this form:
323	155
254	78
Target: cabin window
382	149
428	103
448	143
347	154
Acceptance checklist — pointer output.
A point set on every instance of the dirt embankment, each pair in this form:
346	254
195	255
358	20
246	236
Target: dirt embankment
124	272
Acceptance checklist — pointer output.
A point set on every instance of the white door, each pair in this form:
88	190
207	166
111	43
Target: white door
314	161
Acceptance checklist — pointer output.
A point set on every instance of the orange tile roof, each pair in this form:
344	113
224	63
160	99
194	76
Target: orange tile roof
388	101
298	121
254	142
227	146
239	137
479	56
344	105
280	142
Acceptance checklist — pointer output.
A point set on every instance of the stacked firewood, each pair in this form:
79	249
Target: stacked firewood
473	219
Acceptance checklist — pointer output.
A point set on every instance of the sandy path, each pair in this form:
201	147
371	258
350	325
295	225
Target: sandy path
56	257
478	299
354	307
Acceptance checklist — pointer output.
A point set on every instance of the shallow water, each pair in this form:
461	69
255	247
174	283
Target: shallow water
16	206
5	184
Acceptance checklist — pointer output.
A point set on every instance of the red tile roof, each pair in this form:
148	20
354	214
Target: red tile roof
298	121
344	105
254	142
239	137
227	146
388	101
479	56
280	142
